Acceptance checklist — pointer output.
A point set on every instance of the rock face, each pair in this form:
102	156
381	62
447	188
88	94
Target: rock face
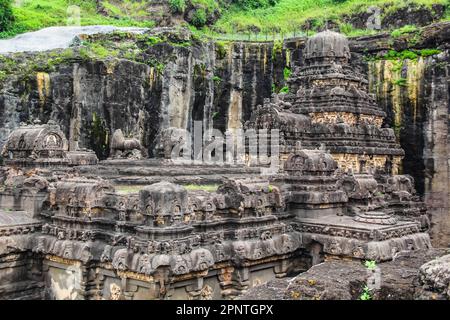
405	278
162	242
180	81
435	277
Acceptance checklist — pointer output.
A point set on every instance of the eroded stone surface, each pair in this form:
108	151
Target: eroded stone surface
400	279
338	186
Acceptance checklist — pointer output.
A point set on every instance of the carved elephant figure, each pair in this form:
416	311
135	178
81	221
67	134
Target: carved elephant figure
122	147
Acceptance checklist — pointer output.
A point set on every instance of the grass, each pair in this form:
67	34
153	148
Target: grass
288	15
204	187
409	54
284	18
32	15
190	187
403	30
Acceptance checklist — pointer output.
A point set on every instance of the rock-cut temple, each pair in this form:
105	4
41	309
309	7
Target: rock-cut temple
67	232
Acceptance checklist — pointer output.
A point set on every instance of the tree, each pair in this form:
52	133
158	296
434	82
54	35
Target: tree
6	15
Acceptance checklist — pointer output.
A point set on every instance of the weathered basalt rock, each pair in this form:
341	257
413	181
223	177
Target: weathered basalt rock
339	195
400	279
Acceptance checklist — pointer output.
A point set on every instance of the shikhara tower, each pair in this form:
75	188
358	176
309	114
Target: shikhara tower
328	104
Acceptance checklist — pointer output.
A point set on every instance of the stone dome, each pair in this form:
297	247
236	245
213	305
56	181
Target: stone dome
327	44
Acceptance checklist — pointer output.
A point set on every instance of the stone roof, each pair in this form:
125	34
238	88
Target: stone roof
327	44
37	137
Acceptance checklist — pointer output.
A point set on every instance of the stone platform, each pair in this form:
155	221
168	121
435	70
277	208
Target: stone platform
343	236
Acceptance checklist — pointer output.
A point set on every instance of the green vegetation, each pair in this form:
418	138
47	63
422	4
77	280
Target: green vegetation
31	15
287	73
204	187
349	30
6	15
221	49
260	19
399	56
199	18
400	82
217	79
159	66
3	75
285	89
255	4
277	48
24	66
429	52
404	30
370	264
286	16
177	6
127	189
366	294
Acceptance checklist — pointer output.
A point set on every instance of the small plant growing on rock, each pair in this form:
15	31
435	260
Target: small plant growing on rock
366	294
287	73
285	89
400	82
221	49
217	79
277	48
370	264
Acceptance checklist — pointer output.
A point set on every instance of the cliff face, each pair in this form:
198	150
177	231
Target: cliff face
167	85
176	82
414	91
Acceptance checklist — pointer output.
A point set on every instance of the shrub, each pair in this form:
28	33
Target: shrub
177	6
255	4
6	15
285	89
277	48
346	28
287	73
429	52
199	18
221	49
405	29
